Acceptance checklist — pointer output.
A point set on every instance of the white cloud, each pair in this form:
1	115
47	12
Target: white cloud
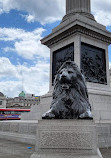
35	78
102	11
26	44
29	18
10	34
7	69
50	11
110	65
8	49
39	10
10	88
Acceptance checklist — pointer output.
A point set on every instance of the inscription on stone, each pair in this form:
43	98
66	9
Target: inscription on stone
93	63
60	56
63	140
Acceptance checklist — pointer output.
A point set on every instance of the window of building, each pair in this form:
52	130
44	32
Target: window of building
0	102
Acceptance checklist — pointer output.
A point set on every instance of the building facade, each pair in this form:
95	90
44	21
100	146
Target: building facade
2	101
23	101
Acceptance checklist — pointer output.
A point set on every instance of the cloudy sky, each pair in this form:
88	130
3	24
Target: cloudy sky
22	57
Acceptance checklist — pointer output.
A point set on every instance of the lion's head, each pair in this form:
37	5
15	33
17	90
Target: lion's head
70	97
67	77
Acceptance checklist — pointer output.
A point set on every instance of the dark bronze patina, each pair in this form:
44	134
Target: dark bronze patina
60	56
93	63
70	97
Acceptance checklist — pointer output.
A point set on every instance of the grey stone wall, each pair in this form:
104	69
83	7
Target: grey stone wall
25	131
20	131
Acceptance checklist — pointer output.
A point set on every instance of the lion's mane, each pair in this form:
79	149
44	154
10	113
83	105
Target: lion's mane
70	98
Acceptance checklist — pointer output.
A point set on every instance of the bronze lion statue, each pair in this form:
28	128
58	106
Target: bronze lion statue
70	96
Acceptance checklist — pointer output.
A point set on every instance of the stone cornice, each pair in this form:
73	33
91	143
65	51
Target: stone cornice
73	30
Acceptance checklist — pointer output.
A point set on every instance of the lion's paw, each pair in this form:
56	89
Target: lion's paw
48	115
87	114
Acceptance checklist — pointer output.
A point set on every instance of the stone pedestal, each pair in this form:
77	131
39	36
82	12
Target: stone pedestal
66	139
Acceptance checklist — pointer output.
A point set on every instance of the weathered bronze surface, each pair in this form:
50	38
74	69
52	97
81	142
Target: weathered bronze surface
60	56
93	63
70	97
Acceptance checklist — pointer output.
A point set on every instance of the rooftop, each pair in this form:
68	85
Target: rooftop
1	94
22	94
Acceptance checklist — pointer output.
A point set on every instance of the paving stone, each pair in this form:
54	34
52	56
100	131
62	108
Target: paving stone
10	149
106	153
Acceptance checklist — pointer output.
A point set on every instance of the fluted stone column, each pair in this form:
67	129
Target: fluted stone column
77	6
82	7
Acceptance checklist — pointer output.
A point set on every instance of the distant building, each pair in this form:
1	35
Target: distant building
22	94
23	101
2	101
28	96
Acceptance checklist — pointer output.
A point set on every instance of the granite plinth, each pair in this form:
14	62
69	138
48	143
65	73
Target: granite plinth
35	155
66	138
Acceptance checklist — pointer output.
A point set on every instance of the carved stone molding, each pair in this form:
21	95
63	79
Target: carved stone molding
77	29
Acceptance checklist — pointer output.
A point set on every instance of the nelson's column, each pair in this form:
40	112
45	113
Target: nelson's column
81	39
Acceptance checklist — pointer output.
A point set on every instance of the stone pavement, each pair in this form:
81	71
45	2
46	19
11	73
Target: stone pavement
106	153
10	149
